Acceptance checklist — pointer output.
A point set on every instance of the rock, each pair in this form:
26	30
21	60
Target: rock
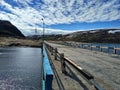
9	30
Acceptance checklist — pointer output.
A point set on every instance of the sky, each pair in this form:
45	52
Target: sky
60	16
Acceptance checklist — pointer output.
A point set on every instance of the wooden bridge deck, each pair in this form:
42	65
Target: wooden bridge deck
104	67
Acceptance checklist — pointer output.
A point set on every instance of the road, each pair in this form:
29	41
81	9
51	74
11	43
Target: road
104	67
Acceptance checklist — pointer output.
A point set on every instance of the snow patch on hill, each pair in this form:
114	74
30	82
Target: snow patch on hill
112	32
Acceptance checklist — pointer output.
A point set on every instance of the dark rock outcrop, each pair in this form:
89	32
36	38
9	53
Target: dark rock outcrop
8	29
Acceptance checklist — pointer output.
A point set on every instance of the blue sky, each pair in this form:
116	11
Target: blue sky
87	26
61	16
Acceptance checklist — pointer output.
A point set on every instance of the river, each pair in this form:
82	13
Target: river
20	68
112	46
108	45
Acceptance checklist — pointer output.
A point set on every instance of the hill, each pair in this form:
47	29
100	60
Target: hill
9	30
95	36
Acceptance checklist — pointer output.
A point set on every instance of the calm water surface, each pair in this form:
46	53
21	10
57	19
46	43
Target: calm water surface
20	68
108	45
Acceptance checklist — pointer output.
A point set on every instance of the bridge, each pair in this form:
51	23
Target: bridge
60	66
82	69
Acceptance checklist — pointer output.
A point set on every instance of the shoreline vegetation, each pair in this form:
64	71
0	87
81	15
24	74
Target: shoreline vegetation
19	42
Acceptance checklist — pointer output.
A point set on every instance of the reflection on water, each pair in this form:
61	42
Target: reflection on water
20	68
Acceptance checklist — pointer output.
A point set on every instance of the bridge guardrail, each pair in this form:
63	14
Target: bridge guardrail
47	72
63	60
93	47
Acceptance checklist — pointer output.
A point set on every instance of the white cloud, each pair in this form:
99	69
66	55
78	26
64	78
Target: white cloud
31	31
59	11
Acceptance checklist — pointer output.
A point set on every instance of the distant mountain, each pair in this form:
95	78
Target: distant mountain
46	37
95	36
8	29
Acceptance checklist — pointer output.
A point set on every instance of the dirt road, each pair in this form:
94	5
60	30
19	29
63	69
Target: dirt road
104	67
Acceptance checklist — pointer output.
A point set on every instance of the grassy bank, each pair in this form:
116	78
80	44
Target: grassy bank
9	41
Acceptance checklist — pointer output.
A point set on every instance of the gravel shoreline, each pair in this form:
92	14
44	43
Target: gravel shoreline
9	42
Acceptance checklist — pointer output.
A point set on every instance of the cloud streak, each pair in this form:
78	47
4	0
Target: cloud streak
28	13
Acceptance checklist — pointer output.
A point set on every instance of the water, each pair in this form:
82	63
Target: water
107	45
20	68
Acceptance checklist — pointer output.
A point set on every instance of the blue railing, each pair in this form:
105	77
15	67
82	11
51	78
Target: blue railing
47	72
